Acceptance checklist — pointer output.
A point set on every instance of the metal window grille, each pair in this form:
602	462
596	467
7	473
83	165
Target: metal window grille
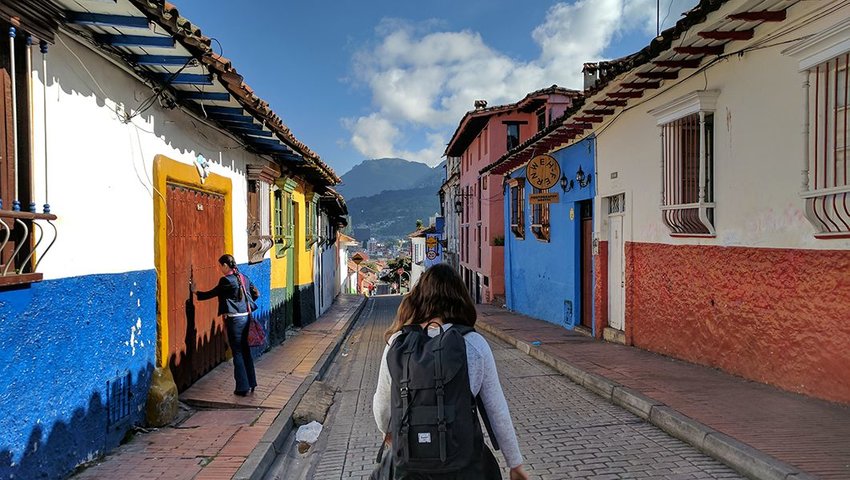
518	209
540	219
827	205
687	205
118	400
617	204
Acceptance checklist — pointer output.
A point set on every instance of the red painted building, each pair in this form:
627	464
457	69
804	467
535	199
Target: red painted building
484	135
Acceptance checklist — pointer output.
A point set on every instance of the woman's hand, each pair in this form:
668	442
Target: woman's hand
517	473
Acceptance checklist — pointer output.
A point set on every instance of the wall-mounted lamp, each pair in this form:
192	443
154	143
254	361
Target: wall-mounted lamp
459	201
583	180
566	185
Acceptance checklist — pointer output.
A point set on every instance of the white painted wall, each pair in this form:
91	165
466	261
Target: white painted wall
101	169
758	149
329	256
418	263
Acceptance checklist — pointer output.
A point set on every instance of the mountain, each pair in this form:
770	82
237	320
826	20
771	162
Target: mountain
393	213
374	176
386	196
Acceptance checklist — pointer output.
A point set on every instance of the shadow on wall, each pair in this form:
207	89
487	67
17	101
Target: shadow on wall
79	72
53	452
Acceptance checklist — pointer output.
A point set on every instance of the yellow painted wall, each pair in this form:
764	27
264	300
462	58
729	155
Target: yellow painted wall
304	255
165	171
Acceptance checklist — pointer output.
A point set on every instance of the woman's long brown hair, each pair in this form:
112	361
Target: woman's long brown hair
439	293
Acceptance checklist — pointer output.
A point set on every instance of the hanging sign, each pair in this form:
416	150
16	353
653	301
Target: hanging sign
543	172
536	198
432	249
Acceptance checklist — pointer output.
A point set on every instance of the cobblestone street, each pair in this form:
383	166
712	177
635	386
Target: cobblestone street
564	431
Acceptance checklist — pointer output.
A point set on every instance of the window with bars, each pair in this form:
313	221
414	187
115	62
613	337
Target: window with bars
22	229
540	219
283	215
310	222
517	207
260	238
827	188
688	188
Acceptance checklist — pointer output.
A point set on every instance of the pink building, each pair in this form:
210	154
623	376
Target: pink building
482	137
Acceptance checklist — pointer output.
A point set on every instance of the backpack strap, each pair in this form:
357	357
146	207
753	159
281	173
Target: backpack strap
441	393
404	391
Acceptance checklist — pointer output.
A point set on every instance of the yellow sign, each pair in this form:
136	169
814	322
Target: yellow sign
543	172
536	198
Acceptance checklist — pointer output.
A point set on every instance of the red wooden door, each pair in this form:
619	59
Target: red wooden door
586	265
195	241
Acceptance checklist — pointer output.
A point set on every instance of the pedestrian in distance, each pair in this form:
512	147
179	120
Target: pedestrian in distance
437	374
234	292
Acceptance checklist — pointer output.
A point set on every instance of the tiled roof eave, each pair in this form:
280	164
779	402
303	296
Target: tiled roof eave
497	109
190	36
625	79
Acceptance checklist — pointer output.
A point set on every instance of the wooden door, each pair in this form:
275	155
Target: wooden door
194	242
586	264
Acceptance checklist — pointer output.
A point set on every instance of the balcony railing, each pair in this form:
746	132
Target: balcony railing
828	209
22	234
690	220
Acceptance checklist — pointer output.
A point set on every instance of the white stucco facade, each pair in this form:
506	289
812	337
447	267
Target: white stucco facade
100	167
758	148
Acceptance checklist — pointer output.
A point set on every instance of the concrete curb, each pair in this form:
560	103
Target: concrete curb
741	457
263	455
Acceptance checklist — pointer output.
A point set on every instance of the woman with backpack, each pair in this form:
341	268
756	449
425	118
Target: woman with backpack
436	374
233	303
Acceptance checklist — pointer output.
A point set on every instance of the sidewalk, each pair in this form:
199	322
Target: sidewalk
215	442
774	434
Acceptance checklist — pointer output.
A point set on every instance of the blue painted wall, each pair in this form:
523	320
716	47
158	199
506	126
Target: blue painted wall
260	275
63	342
542	280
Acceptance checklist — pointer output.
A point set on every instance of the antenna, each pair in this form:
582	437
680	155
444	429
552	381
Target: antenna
657	17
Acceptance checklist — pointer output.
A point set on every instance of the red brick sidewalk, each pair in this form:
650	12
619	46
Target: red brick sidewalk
809	434
214	443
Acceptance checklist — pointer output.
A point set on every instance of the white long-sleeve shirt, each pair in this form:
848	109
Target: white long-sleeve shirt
483	380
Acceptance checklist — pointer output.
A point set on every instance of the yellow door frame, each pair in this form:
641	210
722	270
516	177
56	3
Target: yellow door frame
165	171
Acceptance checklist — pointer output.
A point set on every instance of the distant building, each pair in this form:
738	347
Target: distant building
482	136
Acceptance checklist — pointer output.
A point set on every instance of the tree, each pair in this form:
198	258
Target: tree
419	224
395	269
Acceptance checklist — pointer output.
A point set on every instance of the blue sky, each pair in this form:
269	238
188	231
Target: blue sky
379	78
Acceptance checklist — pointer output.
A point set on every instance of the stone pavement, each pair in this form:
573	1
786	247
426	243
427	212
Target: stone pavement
810	435
564	431
214	442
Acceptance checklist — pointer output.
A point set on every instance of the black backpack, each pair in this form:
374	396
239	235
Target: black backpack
434	417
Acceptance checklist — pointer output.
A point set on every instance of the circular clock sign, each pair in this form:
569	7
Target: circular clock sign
543	172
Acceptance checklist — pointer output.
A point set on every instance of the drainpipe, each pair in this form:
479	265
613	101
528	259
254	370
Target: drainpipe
16	205
32	124
43	48
806	122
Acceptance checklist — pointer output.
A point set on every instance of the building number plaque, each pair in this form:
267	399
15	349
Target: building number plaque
543	172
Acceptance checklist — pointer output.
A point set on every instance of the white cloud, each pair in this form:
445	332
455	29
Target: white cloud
422	82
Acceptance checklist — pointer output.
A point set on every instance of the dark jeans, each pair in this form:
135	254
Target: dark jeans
243	362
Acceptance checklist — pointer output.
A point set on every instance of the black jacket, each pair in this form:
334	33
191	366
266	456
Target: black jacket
230	298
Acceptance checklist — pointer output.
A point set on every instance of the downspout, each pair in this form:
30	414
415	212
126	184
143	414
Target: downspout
43	48
16	205
703	215
31	108
806	126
